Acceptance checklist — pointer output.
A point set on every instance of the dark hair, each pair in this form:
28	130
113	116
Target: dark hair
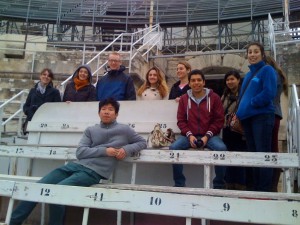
261	47
108	101
196	72
271	61
237	75
50	73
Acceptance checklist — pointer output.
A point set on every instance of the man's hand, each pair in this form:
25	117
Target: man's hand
192	140
119	153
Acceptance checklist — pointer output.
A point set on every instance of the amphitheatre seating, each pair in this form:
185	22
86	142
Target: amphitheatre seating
57	127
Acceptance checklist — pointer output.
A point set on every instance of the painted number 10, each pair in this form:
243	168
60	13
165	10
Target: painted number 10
155	201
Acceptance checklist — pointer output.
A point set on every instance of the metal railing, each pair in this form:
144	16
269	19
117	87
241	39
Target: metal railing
272	36
143	40
19	113
293	129
148	38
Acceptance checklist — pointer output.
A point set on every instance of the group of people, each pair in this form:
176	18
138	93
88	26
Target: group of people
201	119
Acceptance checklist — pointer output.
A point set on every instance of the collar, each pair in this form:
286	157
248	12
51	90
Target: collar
105	125
255	67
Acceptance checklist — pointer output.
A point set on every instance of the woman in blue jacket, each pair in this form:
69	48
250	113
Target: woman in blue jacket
257	112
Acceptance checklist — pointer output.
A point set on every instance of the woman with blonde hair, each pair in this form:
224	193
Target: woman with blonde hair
155	86
180	87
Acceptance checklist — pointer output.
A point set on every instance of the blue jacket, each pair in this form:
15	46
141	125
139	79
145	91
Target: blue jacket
260	93
116	84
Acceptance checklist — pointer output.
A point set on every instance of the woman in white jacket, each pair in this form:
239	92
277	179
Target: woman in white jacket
155	86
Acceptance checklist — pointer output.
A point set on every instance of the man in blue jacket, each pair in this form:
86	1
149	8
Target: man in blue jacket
98	152
116	84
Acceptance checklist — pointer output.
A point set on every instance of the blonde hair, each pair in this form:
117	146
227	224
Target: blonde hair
161	84
116	53
186	65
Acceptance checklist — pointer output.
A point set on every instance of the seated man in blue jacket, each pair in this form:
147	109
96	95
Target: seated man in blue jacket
98	152
116	84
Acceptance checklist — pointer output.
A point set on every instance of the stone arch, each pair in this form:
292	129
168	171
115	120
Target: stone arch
215	66
230	61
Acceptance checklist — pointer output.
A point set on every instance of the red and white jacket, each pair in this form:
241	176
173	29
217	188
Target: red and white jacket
205	118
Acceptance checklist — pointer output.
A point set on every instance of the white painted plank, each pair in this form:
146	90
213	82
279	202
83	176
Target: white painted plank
225	208
27	151
72	126
289	160
256	159
6	188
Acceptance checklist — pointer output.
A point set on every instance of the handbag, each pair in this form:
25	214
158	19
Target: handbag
159	139
234	123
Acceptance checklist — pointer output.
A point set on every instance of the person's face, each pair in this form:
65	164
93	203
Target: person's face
83	74
232	83
196	83
182	72
114	62
108	114
152	77
254	54
44	78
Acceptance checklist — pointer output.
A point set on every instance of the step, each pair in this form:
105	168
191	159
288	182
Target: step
7	93
16	83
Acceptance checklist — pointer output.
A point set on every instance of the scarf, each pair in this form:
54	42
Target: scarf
41	88
80	83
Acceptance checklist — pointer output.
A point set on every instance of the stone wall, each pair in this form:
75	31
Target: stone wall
64	64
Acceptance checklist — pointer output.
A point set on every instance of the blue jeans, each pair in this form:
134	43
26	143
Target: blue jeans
258	133
71	174
215	143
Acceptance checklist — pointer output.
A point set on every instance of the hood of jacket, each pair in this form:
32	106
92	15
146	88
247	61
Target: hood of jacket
206	96
86	67
207	92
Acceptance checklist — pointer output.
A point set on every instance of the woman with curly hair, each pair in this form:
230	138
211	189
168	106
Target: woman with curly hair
155	86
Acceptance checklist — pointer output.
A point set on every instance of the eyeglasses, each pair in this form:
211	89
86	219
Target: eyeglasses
113	60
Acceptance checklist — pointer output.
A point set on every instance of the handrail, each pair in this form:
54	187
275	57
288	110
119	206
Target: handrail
293	129
146	32
18	112
272	36
13	98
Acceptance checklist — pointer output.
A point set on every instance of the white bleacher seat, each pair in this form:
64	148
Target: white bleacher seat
57	127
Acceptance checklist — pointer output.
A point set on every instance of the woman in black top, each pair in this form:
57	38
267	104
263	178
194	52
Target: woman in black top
181	86
41	93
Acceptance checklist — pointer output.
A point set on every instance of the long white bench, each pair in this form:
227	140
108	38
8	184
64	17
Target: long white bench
163	156
57	127
270	208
